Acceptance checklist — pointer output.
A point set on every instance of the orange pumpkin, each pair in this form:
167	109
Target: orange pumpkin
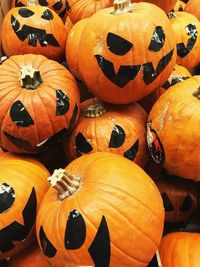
103	127
39	103
22	34
29	257
166	5
23	183
173	129
102	210
186	29
130	52
192	7
180	249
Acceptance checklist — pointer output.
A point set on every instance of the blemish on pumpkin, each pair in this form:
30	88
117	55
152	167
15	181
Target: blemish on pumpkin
100	45
162	117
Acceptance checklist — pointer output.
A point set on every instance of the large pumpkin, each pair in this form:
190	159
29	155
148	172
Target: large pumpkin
166	5
180	249
130	52
173	129
100	215
33	29
186	29
102	127
193	7
23	183
39	103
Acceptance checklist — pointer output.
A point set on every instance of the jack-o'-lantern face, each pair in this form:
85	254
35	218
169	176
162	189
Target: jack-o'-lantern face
129	56
26	35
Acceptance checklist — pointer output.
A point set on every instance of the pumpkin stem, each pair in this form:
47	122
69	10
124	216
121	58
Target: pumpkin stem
122	6
197	93
95	111
65	183
30	78
31	3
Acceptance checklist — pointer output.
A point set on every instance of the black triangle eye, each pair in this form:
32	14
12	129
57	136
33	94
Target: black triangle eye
158	39
117	44
167	202
187	204
47	15
117	137
48	248
20	115
43	2
25	12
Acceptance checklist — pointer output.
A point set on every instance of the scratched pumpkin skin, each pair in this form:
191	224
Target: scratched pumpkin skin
101	218
173	129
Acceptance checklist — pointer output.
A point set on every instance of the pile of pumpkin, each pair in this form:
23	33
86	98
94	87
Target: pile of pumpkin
99	134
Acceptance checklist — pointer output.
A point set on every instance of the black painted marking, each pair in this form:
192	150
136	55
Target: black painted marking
154	262
68	6
25	12
19	4
178	80
62	14
43	2
33	34
167	203
124	75
183	50
20	115
82	144
62	103
73	117
131	152
58	5
16	231
75	232
7	197
150	74
47	247
47	15
187	204
166	85
100	248
117	137
157	40
118	45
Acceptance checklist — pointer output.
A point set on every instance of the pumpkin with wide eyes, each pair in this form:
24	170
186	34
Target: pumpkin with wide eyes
33	29
186	29
102	204
166	5
104	127
129	53
23	183
173	129
193	7
58	6
39	103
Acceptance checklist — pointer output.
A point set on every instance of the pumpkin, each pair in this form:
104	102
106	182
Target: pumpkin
33	29
129	52
68	25
172	129
29	257
180	196
102	216
193	8
58	6
23	183
179	6
186	28
180	249
178	74
102	127
39	103
166	5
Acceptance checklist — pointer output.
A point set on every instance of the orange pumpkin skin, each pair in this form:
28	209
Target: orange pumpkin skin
165	5
50	108
172	132
126	191
186	29
118	129
180	249
119	75
30	257
58	6
26	180
21	33
179	6
192	7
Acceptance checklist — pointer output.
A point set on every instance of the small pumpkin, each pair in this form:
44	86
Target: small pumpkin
165	5
172	129
39	103
130	52
102	203
22	34
103	127
29	257
186	29
192	7
23	183
180	249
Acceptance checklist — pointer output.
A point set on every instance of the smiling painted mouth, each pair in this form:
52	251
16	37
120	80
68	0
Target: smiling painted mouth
126	74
